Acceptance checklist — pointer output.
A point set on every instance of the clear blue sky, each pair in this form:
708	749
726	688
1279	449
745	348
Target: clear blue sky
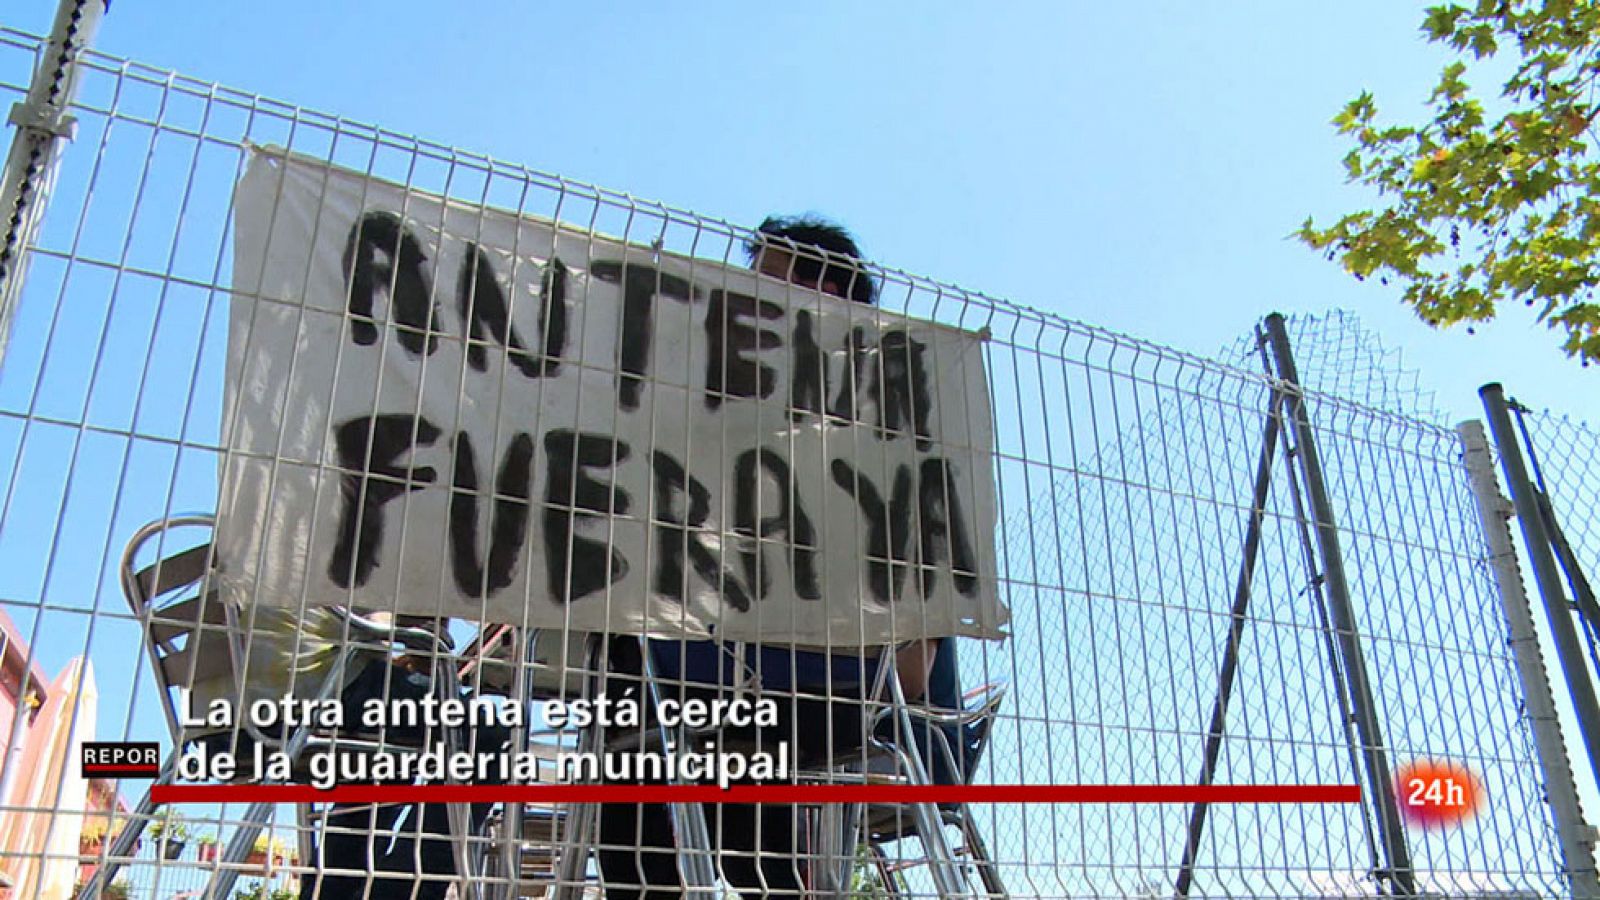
1134	166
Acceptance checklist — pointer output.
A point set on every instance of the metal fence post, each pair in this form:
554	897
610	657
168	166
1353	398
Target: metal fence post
41	124
1230	650
1364	709
1574	834
1537	542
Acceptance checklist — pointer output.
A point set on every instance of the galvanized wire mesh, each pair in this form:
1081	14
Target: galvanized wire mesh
1123	472
1339	356
1568	459
1564	462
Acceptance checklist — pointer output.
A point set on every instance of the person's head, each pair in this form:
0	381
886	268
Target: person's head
812	252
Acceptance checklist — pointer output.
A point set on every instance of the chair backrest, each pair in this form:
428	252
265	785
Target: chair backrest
966	740
975	734
186	624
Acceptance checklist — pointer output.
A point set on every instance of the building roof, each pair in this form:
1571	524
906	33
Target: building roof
15	659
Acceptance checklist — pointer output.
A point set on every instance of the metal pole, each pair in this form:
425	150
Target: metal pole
1330	643
41	124
696	857
1537	542
1561	790
1379	778
1230	652
578	836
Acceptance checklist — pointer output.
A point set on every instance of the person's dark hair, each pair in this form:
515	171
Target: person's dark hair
823	251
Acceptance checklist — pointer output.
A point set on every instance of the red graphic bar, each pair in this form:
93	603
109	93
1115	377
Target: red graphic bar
765	793
109	769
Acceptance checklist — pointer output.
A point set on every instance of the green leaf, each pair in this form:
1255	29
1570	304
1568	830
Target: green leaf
1440	21
1472	214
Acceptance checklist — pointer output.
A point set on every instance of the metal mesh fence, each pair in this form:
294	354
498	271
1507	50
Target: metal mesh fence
1568	459
1123	475
1339	356
1561	460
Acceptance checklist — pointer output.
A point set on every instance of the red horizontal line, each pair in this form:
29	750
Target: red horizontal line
765	793
101	768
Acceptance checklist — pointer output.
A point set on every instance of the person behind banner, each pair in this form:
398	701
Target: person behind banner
759	847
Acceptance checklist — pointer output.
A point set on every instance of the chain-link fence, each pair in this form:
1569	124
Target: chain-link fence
1148	518
1548	462
1567	468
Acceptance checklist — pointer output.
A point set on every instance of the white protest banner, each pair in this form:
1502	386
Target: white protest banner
440	408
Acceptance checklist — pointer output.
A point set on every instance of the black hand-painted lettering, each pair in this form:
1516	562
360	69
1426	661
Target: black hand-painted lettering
573	497
902	389
508	526
855	379
553	315
808	380
944	531
367	449
381	255
730	335
483	307
888	526
789	520
640	285
682	535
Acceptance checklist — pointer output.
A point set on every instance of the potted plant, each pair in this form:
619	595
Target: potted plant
258	852
267	850
207	847
171	833
258	891
116	890
93	836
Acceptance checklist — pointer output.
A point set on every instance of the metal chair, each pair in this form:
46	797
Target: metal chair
191	630
557	665
839	826
569	665
546	846
888	824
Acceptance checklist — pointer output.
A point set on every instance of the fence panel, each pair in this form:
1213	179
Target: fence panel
1123	473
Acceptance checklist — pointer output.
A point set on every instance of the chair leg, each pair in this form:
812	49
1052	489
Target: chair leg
829	881
838	838
239	847
947	877
572	869
459	815
695	861
468	880
979	851
890	878
122	847
941	858
508	857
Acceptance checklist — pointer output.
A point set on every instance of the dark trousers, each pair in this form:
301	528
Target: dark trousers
363	837
739	832
759	848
